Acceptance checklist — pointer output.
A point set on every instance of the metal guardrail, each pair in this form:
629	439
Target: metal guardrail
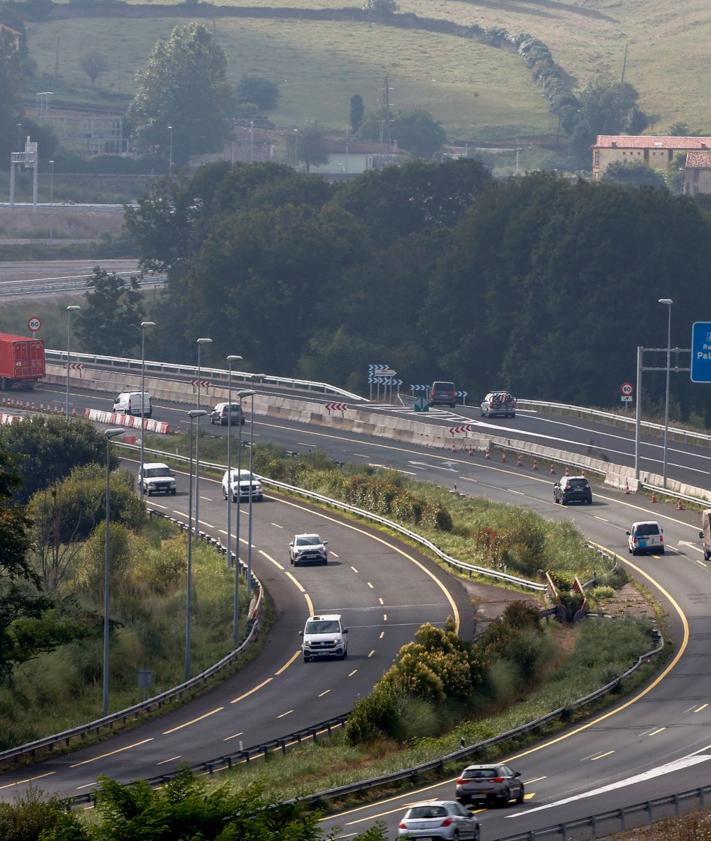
172	694
700	437
462	566
219	374
471	750
615	820
77	283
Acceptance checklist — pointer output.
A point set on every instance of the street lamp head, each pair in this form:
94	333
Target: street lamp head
112	433
197	413
52	162
204	341
73	307
233	357
147	324
667	301
246	392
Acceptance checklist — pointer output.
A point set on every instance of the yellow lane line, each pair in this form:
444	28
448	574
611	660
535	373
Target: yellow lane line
251	691
295	580
310	605
269	558
288	662
111	753
193	721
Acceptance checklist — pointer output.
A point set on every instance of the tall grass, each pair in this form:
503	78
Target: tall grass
62	688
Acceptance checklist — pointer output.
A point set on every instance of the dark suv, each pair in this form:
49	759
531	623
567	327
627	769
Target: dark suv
443	393
572	489
220	414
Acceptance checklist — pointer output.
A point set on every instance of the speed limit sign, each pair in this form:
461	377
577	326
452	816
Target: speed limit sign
626	389
34	323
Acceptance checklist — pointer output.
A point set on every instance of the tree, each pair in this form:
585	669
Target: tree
636	174
110	321
311	147
256	89
48	448
604	108
10	91
94	64
418	132
183	85
357	111
383	8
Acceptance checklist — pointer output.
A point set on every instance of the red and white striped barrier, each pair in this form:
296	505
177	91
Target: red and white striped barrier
336	407
119	419
467	427
6	419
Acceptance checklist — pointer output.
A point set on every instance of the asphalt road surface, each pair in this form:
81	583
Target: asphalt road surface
38	279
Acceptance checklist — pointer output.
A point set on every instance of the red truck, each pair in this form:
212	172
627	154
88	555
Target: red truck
21	361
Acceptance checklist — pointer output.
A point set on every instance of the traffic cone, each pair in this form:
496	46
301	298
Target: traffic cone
679	505
654	497
535	464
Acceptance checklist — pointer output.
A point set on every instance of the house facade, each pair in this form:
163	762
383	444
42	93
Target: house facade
697	173
657	152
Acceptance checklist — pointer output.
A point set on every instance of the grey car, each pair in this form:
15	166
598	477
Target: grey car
499	403
491	783
444	820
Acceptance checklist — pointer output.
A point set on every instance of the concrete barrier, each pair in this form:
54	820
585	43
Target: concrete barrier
120	419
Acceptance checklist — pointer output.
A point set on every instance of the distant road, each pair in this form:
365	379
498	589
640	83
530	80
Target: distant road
43	278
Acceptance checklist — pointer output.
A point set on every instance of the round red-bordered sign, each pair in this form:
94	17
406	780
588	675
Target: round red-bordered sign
626	389
34	323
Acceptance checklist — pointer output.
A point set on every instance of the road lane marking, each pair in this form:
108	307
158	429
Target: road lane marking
180	513
702	707
518	493
380	599
382	634
534	780
111	753
206	498
172	759
354	569
86	785
601	755
288	663
385	617
656	731
283	715
193	721
371	653
158	505
32	779
269	558
350	674
276	525
251	691
602	519
207	525
371	586
334	554
233	736
325	692
295	580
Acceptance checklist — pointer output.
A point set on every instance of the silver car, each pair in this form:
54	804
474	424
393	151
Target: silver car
492	783
499	403
440	819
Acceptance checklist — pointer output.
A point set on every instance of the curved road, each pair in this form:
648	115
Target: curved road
385	591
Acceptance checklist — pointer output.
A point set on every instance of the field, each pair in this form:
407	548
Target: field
476	91
668	60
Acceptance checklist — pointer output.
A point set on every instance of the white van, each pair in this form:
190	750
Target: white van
241	485
324	636
646	538
134	403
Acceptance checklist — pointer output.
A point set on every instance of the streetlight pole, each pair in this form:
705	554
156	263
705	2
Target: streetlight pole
170	153
247	392
51	197
70	309
251	482
109	433
144	324
193	414
668	303
230	359
200	342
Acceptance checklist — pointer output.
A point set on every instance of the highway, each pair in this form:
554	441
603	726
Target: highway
631	747
384	590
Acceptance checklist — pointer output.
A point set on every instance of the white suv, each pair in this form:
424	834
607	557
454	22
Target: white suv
157	478
324	636
308	549
646	537
241	484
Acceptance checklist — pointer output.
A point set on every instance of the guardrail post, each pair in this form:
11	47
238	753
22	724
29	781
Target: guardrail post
702	792
563	830
677	811
315	735
282	743
593	826
622	820
649	809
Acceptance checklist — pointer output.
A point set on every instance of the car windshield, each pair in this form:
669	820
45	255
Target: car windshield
234	407
322	626
158	471
577	484
479	773
646	528
427	812
308	540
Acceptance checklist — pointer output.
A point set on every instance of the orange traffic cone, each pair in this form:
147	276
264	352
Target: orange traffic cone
654	497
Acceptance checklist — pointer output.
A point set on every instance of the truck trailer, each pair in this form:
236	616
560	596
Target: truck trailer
21	361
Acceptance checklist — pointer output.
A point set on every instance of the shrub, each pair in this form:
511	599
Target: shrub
376	715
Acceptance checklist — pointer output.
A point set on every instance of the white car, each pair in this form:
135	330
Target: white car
241	484
134	403
441	819
324	636
308	549
156	478
646	537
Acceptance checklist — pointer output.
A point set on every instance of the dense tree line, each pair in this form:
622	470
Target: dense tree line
537	284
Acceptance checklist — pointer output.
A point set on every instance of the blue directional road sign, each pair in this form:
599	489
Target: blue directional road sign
701	352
